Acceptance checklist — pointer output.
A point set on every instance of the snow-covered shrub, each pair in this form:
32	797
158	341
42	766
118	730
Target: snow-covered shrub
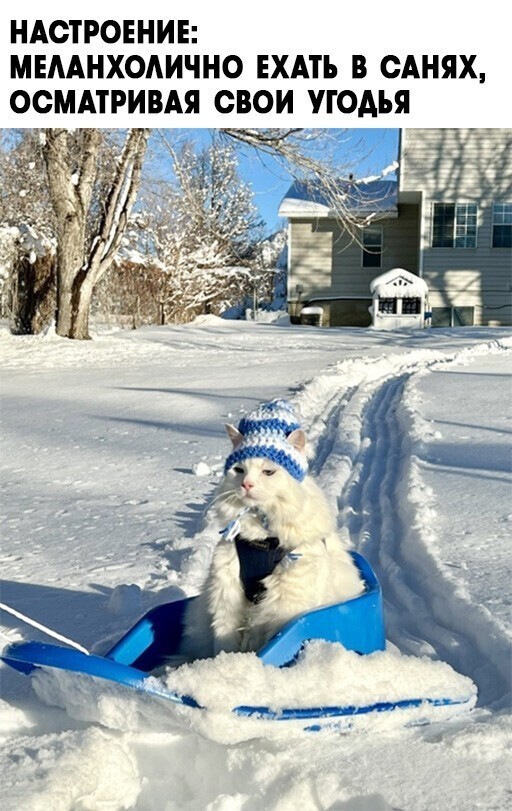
27	279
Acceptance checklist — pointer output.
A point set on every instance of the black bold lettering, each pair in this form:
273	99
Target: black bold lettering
75	26
154	68
64	102
388	72
117	99
243	101
284	101
38	33
53	32
427	67
385	104
468	69
173	103
232	72
155	101
19	101
410	68
87	103
36	101
134	67
102	96
192	62
173	65
95	69
75	69
115	36
262	66
359	70
91	29
21	69
330	70
402	101
367	105
115	70
352	101
128	32
279	71
211	65
219	103
192	101
316	99
300	69
449	65
20	33
164	32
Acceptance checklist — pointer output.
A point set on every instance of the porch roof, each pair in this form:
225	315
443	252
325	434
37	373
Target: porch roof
377	199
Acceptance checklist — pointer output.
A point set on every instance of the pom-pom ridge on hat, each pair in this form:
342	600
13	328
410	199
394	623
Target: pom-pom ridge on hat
264	433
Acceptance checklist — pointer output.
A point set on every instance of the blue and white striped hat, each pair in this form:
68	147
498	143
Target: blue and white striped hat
264	434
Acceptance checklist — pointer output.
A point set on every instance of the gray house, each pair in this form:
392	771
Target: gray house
447	218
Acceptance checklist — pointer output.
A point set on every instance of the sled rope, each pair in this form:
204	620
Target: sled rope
42	628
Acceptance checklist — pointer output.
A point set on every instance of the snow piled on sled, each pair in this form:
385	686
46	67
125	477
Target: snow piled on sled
325	675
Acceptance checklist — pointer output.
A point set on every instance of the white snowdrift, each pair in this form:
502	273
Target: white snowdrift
326	675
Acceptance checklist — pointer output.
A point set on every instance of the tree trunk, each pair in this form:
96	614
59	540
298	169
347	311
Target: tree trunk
82	297
71	189
70	260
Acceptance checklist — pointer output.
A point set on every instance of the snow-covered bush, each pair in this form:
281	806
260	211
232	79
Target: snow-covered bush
205	231
26	278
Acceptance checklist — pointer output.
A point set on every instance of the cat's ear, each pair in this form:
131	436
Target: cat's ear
297	438
234	435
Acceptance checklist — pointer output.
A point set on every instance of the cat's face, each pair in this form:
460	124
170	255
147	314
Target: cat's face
257	482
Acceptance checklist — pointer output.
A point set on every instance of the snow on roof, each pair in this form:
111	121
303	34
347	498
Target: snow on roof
399	283
308	198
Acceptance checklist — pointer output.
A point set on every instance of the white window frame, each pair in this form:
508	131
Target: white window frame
399	306
368	251
494	205
462	223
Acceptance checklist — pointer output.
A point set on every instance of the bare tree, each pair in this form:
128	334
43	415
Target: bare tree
72	164
311	157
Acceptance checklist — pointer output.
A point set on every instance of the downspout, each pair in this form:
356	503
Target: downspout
401	150
289	265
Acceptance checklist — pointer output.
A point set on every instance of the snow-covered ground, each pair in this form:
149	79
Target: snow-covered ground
111	451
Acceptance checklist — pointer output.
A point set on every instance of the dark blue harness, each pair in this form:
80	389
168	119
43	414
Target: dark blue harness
257	560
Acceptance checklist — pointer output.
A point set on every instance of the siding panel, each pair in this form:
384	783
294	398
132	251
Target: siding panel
464	166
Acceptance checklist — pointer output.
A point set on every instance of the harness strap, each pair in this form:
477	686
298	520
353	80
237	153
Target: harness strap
257	560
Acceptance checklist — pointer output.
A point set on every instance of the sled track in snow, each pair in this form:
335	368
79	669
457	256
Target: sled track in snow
423	614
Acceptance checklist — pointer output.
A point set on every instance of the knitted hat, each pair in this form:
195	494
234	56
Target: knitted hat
264	434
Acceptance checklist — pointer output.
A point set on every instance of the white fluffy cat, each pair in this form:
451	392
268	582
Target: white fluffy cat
265	500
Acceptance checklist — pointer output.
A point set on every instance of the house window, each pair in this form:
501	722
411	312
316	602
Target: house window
411	306
387	305
372	248
502	225
453	316
454	225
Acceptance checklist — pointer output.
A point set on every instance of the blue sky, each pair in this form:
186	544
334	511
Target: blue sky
365	151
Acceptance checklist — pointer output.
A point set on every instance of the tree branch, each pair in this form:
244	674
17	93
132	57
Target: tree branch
118	206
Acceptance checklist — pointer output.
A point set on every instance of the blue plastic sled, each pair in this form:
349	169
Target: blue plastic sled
357	624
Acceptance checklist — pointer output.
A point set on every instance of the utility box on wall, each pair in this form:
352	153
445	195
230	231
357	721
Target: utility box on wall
400	300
